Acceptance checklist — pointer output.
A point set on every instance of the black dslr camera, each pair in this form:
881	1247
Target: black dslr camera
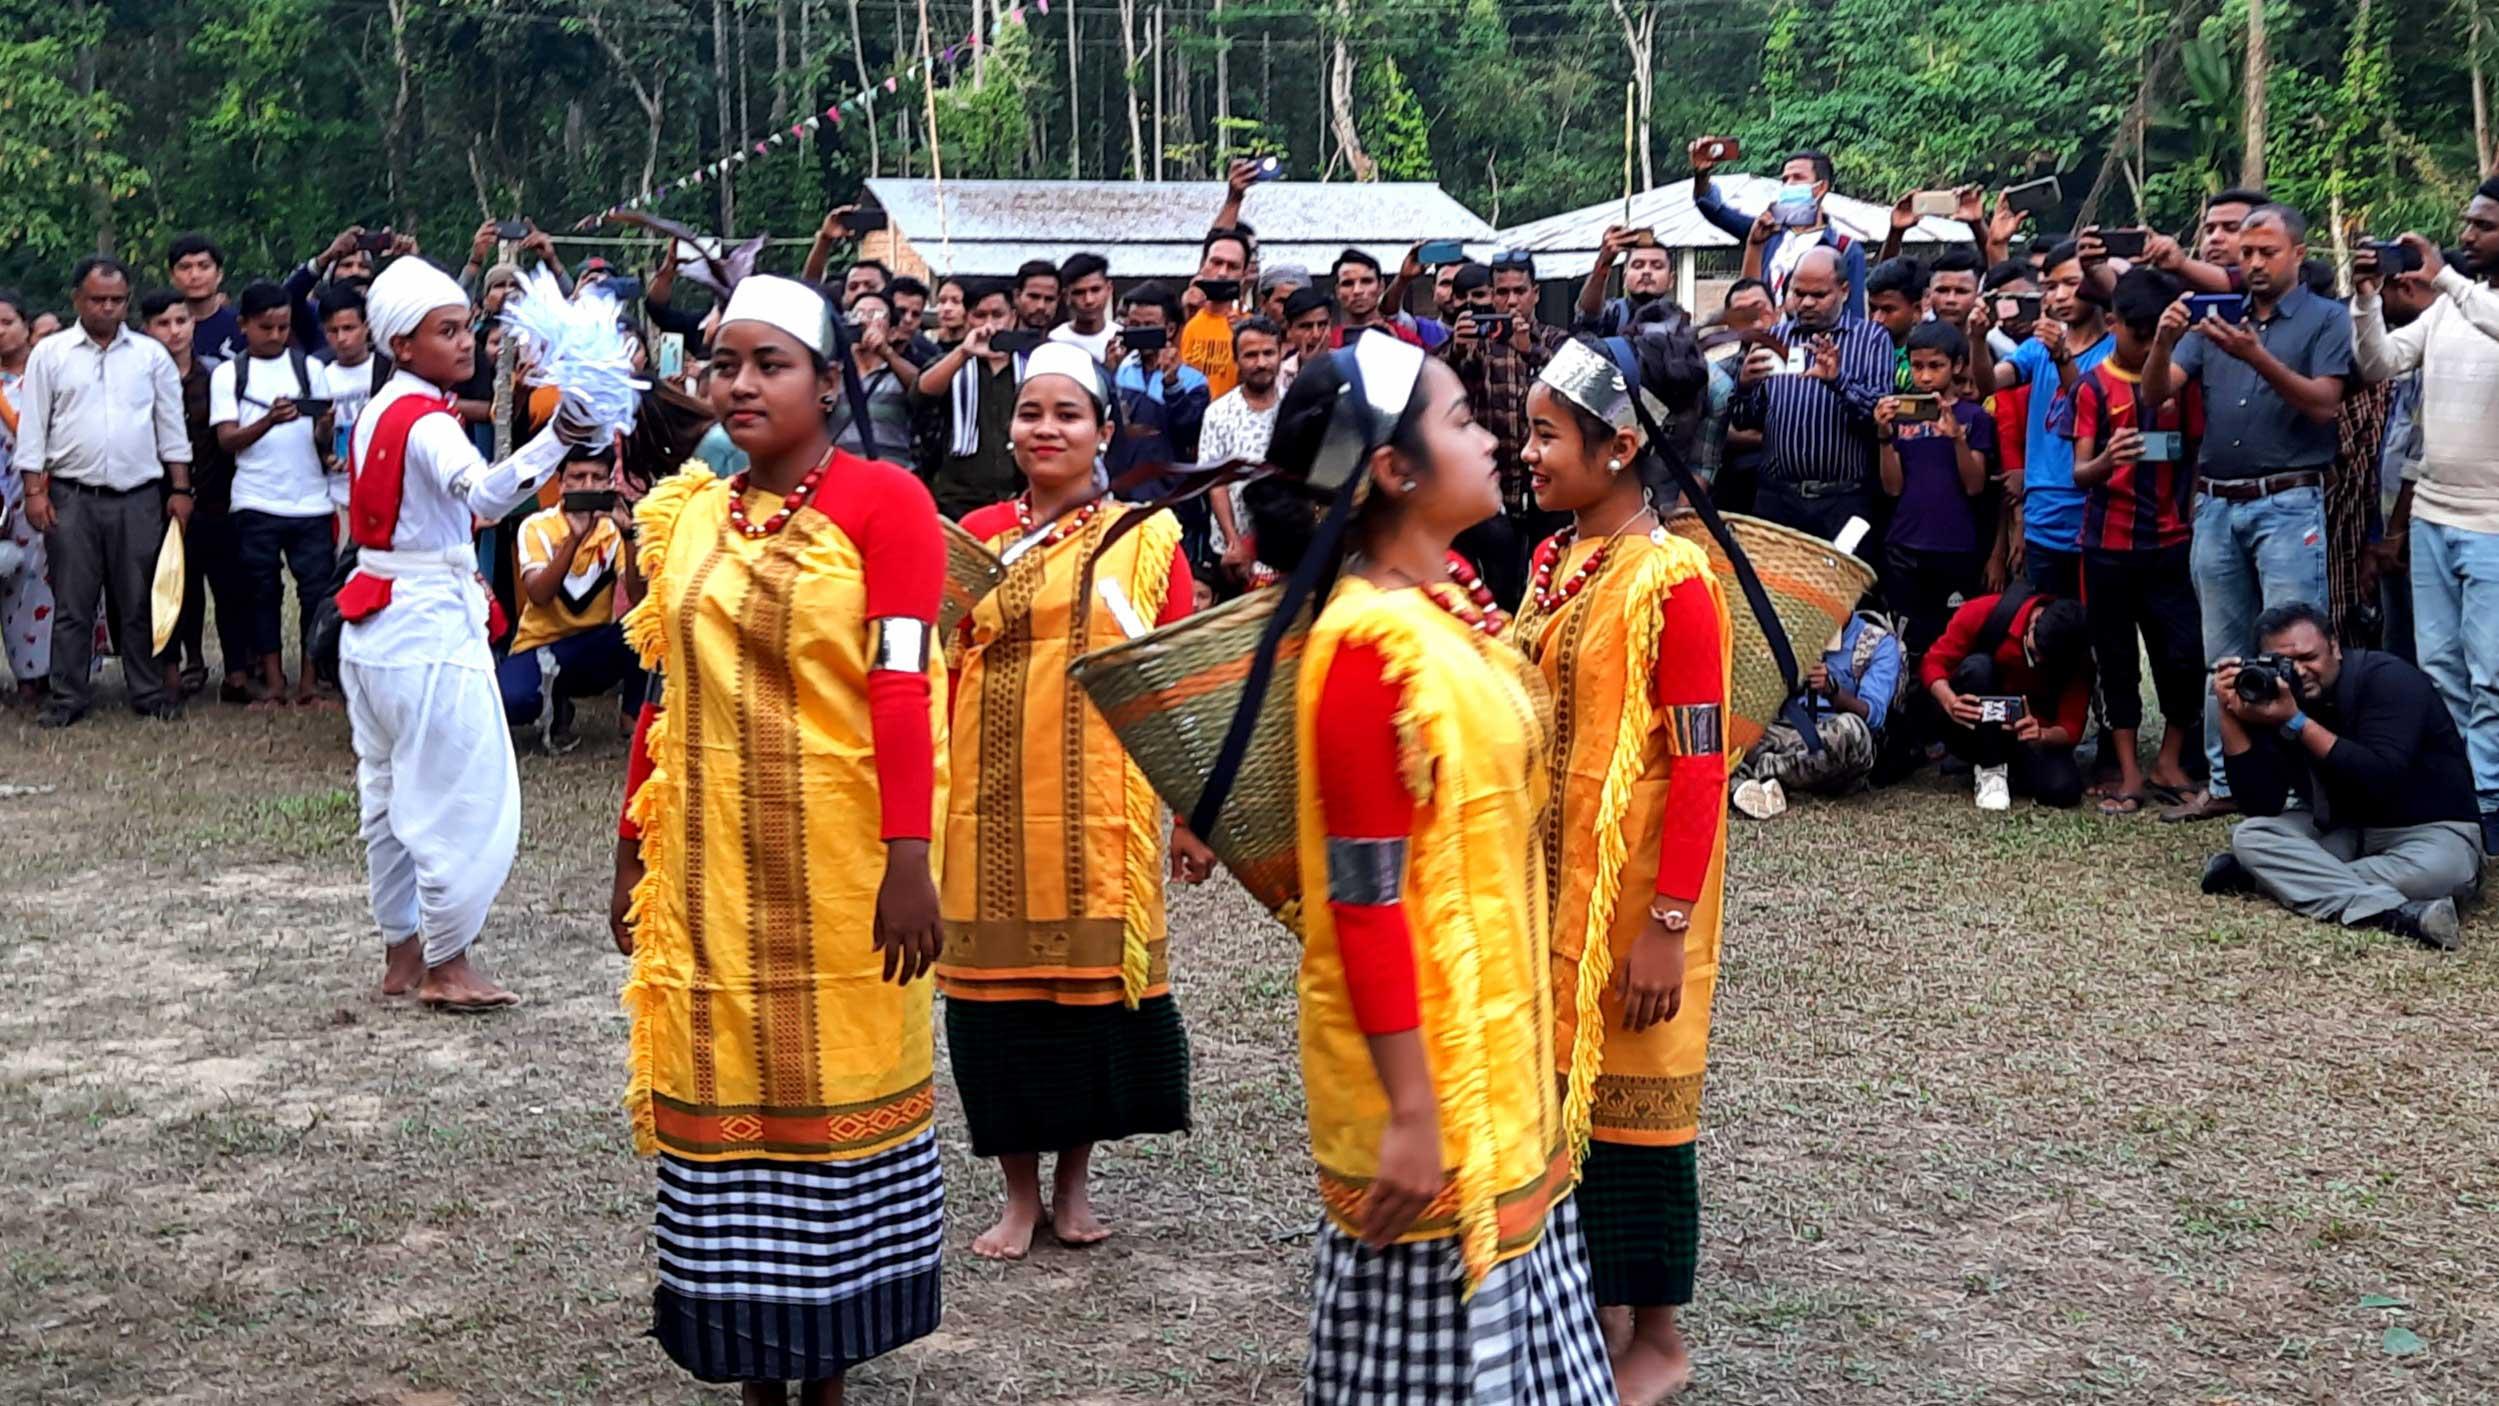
2262	677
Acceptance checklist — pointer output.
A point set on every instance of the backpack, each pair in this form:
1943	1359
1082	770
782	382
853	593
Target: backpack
295	358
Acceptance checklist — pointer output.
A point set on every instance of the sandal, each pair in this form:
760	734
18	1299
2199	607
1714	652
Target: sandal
2167	795
2122	803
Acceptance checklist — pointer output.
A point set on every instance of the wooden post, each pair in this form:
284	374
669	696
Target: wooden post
1159	66
507	364
2259	64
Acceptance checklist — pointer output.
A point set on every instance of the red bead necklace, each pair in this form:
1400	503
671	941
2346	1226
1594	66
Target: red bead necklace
1061	530
1488	617
804	493
1549	557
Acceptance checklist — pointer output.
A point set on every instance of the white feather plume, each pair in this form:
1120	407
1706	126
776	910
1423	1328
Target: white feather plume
577	346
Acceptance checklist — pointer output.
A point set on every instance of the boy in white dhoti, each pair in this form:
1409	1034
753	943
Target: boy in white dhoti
440	796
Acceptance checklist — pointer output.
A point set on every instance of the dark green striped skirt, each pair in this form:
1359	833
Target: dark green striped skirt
1641	1207
1037	1077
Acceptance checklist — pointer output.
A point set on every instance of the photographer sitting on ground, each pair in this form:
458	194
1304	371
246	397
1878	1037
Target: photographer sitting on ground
2012	678
2390	834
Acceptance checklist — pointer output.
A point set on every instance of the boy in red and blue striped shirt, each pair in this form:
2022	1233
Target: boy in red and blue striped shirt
2139	484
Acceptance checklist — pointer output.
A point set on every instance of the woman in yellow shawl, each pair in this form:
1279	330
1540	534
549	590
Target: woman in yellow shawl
1626	623
774	881
1450	1266
1060	1022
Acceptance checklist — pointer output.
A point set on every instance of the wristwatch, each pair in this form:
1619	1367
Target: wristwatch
2294	725
1670	918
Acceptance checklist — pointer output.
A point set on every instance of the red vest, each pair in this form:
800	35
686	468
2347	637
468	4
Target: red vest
377	482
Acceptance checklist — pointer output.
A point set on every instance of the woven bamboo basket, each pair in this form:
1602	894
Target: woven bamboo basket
1170	696
972	571
1813	586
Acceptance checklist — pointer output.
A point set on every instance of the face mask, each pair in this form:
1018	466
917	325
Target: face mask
1795	205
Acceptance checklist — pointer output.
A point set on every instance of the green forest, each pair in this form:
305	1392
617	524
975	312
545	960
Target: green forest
272	123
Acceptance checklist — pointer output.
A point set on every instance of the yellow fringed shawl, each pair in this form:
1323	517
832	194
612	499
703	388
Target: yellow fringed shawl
762	1026
1054	844
1599	653
1471	740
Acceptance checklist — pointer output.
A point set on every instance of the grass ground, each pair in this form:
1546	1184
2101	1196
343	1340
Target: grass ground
2001	1111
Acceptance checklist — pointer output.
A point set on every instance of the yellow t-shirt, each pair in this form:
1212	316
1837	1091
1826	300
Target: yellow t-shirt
542	534
1206	343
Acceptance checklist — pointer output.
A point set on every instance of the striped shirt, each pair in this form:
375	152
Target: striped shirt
1816	431
2142	507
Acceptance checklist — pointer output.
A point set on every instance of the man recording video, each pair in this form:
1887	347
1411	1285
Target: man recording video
2389	835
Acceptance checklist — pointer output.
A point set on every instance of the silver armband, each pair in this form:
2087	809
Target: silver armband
1692	730
898	643
1366	873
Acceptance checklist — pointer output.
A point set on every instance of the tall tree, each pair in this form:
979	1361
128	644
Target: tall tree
2258	77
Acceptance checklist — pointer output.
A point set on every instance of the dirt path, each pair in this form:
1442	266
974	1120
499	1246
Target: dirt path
2000	1111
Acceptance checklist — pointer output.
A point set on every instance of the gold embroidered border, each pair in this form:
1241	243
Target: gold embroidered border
1634	1103
773	796
687	660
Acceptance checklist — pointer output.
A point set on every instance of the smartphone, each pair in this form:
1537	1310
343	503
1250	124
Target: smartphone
1941	203
1797	362
671	355
1492	326
1919	409
2229	307
1220	290
314	407
2036	197
590	500
1722	149
2124	243
2017	307
1015	341
1442	251
2162	447
1145	339
375	241
2393	257
2002	709
512	229
1267	168
862	221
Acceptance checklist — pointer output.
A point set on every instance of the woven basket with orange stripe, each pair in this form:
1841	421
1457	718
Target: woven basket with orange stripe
1170	695
1812	585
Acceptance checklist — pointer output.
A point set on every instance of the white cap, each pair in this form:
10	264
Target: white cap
787	304
407	290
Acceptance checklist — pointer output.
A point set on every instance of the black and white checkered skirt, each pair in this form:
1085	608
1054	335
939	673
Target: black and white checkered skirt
776	1271
1389	1327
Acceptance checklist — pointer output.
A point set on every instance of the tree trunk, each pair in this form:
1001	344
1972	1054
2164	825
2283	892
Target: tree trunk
859	61
1341	101
1162	113
1223	94
395	130
2259	70
1075	118
2182	22
2483	155
646	96
780	64
1136	118
723	192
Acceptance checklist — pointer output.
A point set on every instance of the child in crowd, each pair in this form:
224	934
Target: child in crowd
1937	468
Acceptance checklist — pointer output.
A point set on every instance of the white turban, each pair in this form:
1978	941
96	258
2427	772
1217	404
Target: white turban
408	290
787	304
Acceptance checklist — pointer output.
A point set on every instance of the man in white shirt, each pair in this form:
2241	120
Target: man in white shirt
99	430
281	504
1085	285
441	799
1238	426
2453	531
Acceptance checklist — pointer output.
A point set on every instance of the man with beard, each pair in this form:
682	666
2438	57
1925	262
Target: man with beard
2450	515
2273	382
1648	275
1815	409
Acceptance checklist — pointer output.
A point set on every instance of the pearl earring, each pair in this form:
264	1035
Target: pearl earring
1405	485
1613	466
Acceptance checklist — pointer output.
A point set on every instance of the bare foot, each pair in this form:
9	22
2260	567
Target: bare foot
1615	1324
315	702
458	986
403	966
275	702
1072	1220
1645	1374
1012	1237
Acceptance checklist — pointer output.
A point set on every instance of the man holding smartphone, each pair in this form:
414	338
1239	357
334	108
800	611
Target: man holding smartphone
1497	348
2273	386
1790	226
1814	406
1648	275
568	644
281	498
2452	496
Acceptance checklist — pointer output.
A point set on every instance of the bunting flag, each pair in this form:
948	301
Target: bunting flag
917	70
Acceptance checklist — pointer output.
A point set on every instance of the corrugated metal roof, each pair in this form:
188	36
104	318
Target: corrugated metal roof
1151	229
1566	243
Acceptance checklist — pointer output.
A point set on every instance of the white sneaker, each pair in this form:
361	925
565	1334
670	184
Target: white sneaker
1995	788
1762	800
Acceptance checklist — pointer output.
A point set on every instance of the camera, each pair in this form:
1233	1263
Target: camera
2262	677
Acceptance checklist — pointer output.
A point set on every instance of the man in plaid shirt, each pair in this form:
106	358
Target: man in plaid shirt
1497	346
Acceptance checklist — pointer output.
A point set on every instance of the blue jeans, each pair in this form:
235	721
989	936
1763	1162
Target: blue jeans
2455	609
2250	557
586	664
